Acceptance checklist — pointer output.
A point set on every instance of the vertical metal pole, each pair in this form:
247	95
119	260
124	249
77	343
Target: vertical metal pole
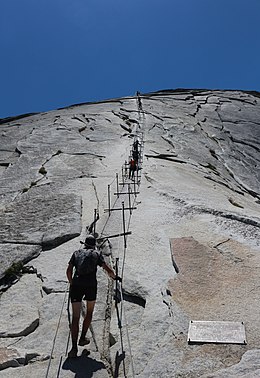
134	187
137	170
129	199
108	196
123	213
117	185
117	298
119	317
125	168
123	178
95	218
117	259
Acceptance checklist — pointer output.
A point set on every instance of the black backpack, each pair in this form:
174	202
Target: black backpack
86	261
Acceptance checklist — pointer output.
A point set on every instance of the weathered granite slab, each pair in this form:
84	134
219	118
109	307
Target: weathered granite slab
248	367
16	253
21	302
47	221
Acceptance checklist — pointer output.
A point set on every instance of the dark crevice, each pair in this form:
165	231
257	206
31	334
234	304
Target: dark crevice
241	99
155	125
16	270
211	167
48	290
221	243
222	214
244	143
18	151
88	119
241	185
27	331
168	140
82	129
126	128
213	153
128	121
196	111
201	210
56	119
78	119
166	157
85	153
134	299
224	184
151	114
53	243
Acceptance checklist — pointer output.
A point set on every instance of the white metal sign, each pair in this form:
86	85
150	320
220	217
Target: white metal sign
216	332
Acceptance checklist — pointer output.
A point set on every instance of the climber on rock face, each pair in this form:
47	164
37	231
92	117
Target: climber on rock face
84	284
132	168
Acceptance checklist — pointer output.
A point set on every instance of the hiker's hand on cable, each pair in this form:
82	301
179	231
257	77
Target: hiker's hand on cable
117	278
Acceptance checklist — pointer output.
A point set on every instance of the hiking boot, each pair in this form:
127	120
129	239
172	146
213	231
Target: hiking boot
84	341
73	353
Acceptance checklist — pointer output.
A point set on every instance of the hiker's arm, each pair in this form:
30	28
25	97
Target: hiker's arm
69	273
109	271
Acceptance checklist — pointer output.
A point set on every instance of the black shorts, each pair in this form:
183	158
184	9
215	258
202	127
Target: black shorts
77	293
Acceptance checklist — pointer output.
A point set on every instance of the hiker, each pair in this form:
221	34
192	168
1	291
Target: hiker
132	168
139	100
135	150
92	225
84	284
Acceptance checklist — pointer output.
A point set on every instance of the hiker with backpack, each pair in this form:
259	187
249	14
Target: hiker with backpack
83	285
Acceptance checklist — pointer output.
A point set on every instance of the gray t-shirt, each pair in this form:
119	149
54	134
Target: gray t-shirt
85	262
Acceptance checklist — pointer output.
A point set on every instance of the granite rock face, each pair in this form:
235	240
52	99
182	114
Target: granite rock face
192	252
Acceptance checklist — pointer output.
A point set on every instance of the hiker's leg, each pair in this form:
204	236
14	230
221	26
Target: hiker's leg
76	306
88	318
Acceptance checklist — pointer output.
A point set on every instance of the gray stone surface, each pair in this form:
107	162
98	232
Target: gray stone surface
248	367
43	220
15	254
19	307
198	202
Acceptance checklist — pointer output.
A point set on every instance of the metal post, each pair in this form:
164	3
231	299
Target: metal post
117	185
123	213
95	218
126	168
129	199
118	295
108	195
123	178
134	187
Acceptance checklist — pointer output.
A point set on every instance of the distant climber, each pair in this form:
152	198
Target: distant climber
135	151
83	285
132	168
139	100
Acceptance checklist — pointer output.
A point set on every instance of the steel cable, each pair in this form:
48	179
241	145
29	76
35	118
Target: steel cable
56	333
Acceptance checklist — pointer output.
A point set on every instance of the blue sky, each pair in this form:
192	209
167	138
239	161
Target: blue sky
60	52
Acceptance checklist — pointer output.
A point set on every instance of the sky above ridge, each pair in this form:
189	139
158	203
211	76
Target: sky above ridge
55	53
